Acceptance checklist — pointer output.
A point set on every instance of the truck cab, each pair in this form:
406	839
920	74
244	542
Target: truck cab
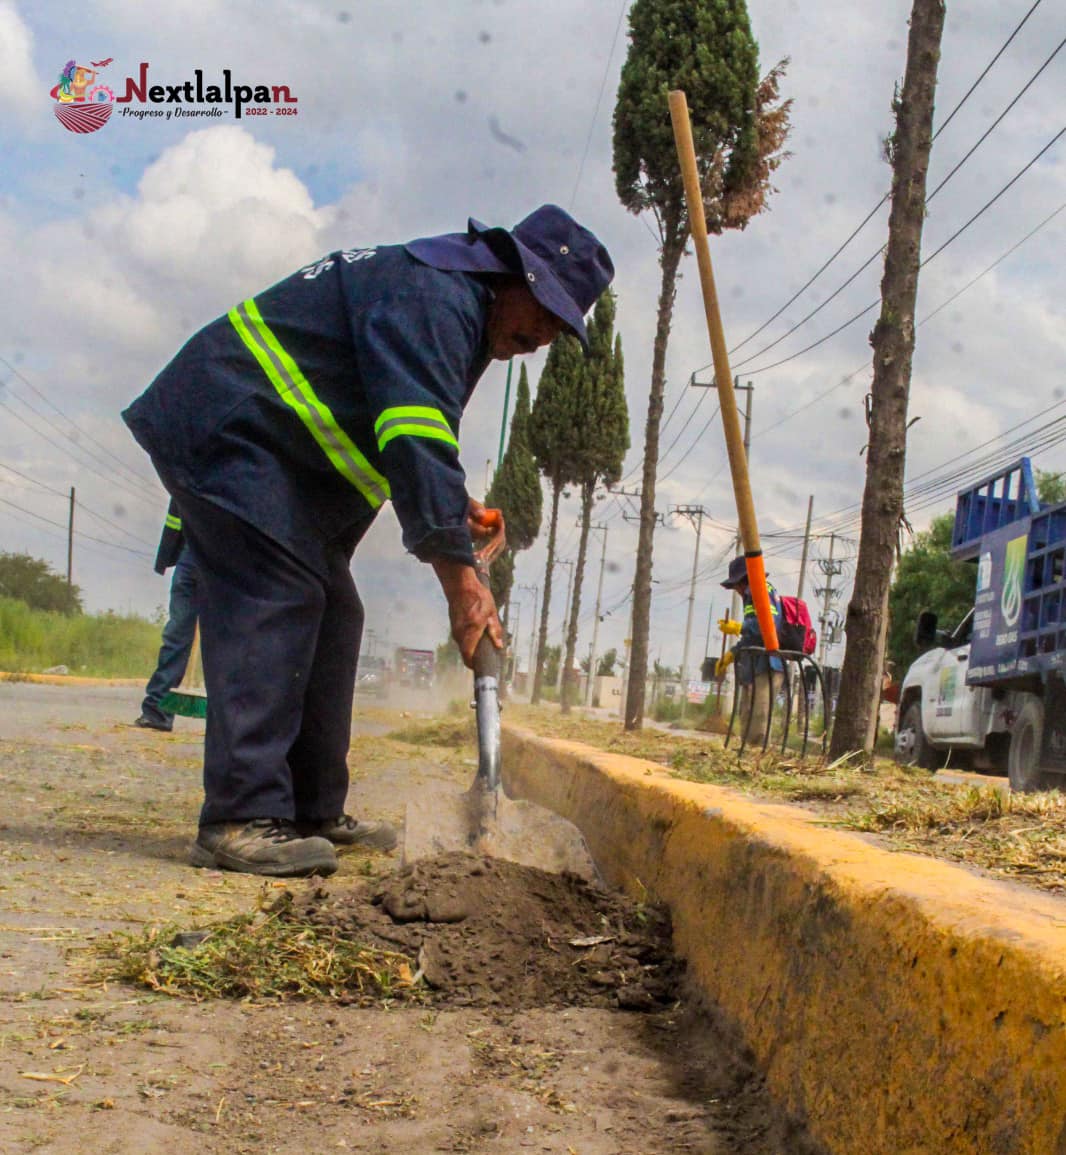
992	690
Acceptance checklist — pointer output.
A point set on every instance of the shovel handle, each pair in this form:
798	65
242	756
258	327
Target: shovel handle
486	656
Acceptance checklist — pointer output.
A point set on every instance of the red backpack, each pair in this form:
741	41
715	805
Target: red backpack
794	631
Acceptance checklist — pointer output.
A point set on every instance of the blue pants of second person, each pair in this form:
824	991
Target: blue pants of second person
280	646
177	641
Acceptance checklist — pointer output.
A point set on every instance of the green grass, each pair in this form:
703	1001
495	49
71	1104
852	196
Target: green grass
98	645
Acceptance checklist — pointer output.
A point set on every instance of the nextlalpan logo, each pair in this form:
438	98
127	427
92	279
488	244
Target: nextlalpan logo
83	105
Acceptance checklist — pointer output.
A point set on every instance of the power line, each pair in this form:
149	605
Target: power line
138	478
870	215
81	505
936	252
110	479
77	533
928	317
599	98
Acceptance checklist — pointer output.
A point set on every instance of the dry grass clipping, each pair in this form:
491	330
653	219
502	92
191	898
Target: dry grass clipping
264	957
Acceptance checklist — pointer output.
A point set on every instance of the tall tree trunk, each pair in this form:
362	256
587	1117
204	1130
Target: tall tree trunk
893	343
588	488
542	637
673	250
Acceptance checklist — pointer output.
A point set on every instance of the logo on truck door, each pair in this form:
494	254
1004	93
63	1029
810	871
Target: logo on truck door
945	699
1010	603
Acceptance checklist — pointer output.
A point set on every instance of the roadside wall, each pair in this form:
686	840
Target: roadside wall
899	1005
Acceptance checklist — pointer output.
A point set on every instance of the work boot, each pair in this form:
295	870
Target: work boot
147	723
263	846
349	831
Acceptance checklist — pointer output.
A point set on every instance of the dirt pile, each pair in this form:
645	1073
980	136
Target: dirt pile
487	932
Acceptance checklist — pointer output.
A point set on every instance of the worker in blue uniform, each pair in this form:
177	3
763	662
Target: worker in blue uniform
280	430
180	628
759	675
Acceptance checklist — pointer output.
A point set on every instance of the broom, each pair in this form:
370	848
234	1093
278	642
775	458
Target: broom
189	698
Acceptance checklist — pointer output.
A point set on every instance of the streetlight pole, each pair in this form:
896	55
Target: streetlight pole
566	619
695	514
535	590
596	617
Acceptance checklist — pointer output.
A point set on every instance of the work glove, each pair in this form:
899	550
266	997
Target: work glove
723	664
728	626
487	531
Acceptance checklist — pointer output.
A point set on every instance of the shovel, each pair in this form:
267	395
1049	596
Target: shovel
484	820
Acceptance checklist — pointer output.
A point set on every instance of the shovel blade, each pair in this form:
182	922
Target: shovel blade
488	822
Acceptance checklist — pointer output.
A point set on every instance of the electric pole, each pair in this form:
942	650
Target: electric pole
695	514
70	542
830	568
566	618
512	638
535	589
806	547
596	616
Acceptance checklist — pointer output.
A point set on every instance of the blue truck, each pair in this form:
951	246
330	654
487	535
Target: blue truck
993	688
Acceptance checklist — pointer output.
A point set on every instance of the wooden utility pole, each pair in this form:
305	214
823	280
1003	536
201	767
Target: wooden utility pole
70	542
893	344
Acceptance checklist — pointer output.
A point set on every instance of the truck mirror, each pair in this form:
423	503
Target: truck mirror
925	630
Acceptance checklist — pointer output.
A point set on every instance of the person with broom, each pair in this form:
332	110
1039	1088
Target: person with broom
280	430
180	628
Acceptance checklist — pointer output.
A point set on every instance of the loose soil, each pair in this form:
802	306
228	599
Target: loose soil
485	932
522	1042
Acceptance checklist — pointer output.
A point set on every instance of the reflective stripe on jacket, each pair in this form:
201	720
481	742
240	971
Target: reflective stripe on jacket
308	406
748	665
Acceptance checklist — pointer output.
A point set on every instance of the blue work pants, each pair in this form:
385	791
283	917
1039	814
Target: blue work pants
177	641
280	646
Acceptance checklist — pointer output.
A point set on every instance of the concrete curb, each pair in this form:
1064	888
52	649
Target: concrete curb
898	1004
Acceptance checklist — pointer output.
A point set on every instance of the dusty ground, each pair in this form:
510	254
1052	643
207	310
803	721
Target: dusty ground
94	820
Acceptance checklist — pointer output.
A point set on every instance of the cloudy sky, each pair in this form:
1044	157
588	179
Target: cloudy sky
412	116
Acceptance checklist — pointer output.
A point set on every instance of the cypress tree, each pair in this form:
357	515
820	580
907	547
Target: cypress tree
602	442
554	438
739	125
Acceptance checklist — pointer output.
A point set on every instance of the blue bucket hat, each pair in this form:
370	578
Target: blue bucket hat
738	572
565	265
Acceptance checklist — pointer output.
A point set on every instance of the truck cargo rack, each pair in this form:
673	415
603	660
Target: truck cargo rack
999	500
1042	630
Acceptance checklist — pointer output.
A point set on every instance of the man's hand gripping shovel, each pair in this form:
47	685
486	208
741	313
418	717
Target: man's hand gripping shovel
484	820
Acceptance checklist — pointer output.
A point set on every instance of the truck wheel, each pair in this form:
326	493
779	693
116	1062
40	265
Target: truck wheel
912	746
1023	758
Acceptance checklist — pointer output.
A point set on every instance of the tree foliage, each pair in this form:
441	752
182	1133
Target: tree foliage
1050	487
554	438
603	439
516	487
516	491
33	581
927	579
739	126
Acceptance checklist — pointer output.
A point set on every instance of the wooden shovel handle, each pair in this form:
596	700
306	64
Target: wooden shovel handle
734	439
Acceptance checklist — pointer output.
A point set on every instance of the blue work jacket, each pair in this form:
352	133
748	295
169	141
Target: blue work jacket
747	663
307	407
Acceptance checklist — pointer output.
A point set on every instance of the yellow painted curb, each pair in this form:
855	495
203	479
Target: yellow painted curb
899	1005
67	680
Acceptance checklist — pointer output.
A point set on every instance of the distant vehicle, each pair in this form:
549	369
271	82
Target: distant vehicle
994	686
372	677
414	668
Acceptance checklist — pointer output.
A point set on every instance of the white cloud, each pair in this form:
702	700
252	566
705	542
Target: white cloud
21	89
